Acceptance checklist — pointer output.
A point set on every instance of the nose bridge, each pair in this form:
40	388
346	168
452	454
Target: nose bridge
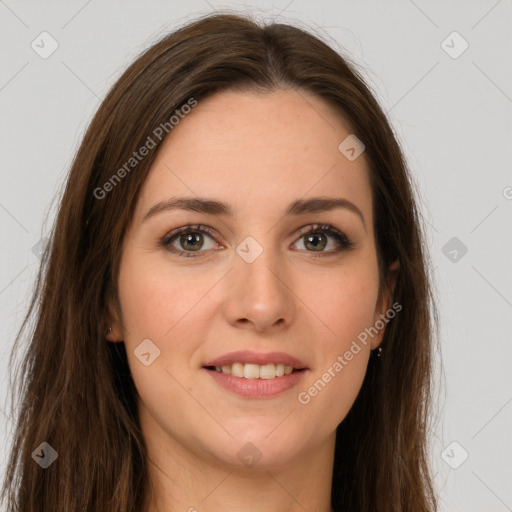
257	290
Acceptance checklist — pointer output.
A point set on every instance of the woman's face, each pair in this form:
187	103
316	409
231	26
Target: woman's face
255	288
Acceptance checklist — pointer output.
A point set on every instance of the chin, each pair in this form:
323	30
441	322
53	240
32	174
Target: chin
258	448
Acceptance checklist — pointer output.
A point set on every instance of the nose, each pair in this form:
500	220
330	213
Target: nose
258	295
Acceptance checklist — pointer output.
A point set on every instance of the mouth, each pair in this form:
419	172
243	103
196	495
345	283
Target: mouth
255	375
256	371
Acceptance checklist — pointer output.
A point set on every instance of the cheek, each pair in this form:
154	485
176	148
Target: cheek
161	304
155	297
345	301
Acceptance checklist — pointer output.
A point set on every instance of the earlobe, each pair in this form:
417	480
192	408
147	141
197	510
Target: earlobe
109	336
385	303
113	335
113	330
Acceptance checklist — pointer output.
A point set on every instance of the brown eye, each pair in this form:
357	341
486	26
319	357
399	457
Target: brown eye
187	240
316	241
317	238
193	241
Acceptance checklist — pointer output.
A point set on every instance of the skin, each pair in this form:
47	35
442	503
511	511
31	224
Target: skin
258	153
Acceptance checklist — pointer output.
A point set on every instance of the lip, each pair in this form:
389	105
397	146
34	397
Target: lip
249	357
256	388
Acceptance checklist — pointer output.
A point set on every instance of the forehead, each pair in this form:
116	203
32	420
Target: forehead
258	150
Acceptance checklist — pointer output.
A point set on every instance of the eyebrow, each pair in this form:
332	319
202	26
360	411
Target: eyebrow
213	207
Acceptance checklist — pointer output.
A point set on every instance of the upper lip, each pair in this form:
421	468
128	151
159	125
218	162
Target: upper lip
248	357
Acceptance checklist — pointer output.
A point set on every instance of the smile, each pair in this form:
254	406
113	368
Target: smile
251	374
255	371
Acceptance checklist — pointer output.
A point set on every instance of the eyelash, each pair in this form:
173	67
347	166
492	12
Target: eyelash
328	229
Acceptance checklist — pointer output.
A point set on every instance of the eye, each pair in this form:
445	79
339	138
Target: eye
190	240
316	238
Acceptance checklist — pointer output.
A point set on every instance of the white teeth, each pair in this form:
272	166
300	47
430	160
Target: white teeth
255	371
268	371
237	369
251	371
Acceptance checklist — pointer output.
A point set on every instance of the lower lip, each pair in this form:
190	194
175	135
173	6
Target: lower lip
256	388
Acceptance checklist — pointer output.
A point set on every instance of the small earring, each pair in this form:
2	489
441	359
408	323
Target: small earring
377	352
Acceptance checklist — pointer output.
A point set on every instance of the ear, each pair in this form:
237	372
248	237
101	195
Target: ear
113	330
385	302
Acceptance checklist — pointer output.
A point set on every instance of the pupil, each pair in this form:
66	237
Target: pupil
317	244
194	239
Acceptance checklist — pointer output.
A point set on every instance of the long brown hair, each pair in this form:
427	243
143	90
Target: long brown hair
76	391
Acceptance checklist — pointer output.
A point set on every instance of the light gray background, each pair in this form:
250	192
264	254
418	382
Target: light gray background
453	118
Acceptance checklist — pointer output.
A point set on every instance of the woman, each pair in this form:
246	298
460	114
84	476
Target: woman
234	311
